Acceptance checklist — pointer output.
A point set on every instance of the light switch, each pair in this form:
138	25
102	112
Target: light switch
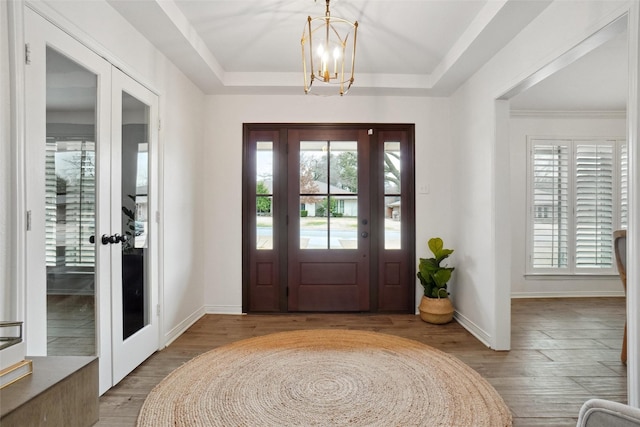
423	189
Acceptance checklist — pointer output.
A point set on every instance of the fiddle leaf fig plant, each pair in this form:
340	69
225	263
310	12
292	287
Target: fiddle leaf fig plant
432	275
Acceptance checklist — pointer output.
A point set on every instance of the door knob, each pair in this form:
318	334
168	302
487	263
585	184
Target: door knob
114	238
364	234
92	239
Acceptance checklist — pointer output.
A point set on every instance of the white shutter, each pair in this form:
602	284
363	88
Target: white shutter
594	204
624	174
550	204
70	203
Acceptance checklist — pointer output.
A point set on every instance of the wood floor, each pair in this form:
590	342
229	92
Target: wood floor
564	351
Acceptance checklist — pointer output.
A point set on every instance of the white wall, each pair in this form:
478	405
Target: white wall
561	125
99	26
222	179
482	232
7	312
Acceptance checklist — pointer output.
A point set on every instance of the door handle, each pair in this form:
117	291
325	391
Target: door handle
364	234
114	238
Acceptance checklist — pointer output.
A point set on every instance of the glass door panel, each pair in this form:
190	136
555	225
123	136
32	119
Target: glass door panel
328	194
135	213
70	206
264	195
393	195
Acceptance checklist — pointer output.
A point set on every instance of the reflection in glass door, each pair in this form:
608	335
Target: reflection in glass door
70	206
135	209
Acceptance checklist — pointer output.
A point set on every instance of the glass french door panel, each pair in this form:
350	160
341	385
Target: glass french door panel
135	214
70	206
264	195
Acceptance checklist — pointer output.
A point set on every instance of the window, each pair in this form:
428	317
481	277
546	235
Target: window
577	198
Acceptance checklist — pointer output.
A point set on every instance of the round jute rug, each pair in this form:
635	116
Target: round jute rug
324	378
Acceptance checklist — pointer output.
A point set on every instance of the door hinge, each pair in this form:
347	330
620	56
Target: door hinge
28	220
159	125
158	310
157	216
287	291
27	53
287	148
287	219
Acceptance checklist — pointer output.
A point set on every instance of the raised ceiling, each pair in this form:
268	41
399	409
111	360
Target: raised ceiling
405	47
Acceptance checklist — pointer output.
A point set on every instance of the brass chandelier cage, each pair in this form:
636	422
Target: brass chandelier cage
329	52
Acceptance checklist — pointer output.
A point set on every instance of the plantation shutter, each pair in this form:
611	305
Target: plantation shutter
594	204
70	203
624	176
550	210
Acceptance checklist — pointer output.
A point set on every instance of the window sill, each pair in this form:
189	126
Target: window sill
571	276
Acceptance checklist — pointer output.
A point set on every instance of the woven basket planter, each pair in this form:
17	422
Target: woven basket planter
436	310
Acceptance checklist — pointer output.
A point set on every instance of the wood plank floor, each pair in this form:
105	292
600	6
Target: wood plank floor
564	351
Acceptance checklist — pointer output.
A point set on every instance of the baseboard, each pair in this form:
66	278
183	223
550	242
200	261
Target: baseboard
181	328
572	294
473	329
223	309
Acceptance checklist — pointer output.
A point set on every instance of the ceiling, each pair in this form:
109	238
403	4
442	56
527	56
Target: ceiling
405	47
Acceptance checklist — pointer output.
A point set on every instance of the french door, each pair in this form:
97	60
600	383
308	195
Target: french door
91	176
328	218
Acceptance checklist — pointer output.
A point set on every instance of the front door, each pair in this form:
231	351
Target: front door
328	218
329	215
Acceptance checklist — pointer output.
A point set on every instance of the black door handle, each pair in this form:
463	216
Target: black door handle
105	239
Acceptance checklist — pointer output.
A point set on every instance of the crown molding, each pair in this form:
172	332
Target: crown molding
612	114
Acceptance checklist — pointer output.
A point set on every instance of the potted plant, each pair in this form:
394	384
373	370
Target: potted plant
435	306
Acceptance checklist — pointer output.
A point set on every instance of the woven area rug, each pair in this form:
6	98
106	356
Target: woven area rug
324	378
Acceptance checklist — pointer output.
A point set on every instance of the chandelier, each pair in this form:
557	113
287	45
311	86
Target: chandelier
329	52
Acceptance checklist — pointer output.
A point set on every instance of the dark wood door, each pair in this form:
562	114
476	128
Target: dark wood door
328	220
